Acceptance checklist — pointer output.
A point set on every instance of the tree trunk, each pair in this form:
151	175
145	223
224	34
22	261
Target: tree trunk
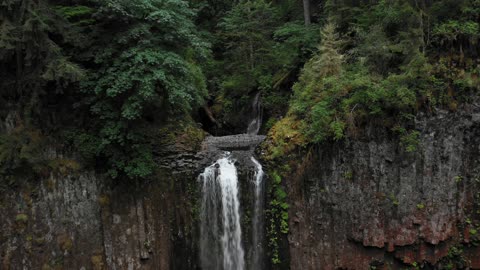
306	11
18	22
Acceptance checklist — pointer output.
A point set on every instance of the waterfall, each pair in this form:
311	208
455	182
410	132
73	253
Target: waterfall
256	122
220	229
221	235
258	218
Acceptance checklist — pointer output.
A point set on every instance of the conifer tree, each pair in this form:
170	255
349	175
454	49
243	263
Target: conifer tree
329	61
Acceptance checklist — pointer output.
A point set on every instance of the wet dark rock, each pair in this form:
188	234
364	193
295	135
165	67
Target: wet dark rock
82	220
354	204
364	201
241	147
232	143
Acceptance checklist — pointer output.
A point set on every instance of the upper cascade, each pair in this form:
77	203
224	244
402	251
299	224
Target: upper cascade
221	245
240	142
256	123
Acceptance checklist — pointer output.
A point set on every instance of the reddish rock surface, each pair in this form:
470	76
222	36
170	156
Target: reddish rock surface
366	202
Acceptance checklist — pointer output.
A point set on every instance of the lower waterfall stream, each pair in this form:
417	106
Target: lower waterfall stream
258	218
221	235
221	243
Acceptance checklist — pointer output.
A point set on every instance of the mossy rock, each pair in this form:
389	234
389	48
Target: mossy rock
64	242
191	138
185	135
104	200
21	218
284	137
97	262
39	241
64	166
46	266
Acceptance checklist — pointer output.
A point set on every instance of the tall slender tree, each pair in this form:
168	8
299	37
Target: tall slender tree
306	12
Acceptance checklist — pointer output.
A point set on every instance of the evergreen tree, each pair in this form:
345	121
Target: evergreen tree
147	61
329	61
247	30
30	56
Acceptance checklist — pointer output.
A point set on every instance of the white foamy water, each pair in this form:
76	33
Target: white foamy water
256	122
258	218
220	232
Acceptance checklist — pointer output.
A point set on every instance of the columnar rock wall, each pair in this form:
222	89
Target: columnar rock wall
79	221
368	203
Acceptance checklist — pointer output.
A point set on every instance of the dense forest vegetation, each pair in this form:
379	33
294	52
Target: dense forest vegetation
101	75
112	83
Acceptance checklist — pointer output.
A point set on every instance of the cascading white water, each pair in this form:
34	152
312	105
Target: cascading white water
220	231
220	243
256	122
257	219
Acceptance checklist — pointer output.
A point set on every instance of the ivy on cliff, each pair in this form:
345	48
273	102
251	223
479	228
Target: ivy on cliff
277	214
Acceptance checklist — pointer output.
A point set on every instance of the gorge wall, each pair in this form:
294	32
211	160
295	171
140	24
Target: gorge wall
73	218
69	217
368	204
358	204
79	221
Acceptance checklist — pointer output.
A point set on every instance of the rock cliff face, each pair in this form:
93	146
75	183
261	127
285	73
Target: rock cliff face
368	203
80	221
76	219
354	205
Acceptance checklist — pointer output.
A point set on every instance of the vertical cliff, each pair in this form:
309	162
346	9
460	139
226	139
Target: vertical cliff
56	213
65	216
367	203
358	204
81	221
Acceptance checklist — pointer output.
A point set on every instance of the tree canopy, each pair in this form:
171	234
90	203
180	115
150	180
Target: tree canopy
102	74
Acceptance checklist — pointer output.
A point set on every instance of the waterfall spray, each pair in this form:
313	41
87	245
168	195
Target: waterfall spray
256	123
220	230
221	235
258	218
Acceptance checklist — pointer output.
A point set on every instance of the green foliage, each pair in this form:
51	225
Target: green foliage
453	30
456	31
127	65
277	216
246	30
260	45
394	200
69	12
32	55
294	43
408	139
86	144
374	63
332	105
21	152
348	175
115	62
22	218
285	136
80	15
151	65
455	258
